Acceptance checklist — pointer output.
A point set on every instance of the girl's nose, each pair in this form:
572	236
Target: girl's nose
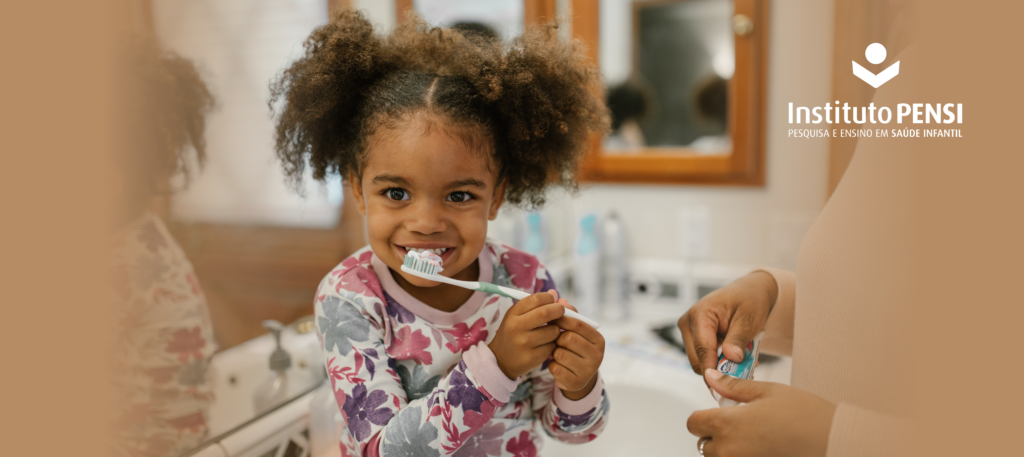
426	219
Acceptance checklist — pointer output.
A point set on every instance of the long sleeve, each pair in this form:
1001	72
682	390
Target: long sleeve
778	337
859	432
570	421
368	384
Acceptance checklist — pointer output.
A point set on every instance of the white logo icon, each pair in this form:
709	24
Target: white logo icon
875	54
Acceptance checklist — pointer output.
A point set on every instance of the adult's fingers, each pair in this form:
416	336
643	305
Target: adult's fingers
532	302
704	326
743	326
711	448
740	390
691	353
704	423
542	315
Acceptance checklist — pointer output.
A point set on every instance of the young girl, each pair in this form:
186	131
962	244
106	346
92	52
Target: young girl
433	131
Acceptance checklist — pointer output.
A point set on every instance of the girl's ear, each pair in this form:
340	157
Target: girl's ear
357	191
499	198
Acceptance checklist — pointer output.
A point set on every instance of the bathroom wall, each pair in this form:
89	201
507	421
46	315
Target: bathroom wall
749	226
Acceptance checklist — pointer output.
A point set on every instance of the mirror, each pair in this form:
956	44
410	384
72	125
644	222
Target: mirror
198	264
676	94
501	18
685	87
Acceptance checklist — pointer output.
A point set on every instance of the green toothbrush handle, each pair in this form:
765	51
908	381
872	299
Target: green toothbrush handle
510	293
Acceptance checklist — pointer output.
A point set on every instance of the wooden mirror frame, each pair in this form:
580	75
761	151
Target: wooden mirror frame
745	166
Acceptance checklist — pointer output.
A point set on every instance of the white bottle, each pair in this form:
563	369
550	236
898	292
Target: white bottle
274	390
325	423
587	273
615	273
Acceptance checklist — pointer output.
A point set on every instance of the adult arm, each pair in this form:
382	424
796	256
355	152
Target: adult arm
778	330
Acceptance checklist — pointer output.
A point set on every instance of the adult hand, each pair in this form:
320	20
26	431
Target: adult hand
578	355
523	341
776	420
733	315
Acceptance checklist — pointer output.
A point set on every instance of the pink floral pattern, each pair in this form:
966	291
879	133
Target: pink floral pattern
522	445
187	343
409	345
465	336
163	344
431	401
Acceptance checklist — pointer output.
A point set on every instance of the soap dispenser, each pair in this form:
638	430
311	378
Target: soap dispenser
274	390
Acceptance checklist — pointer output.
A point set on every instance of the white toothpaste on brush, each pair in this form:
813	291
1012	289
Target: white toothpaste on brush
742	370
429	258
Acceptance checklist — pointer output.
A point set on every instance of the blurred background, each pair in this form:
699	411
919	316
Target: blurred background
696	184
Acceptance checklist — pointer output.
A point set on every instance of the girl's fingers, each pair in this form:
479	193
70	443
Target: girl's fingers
542	352
541	315
561	372
571	360
571	324
544	335
532	302
573	342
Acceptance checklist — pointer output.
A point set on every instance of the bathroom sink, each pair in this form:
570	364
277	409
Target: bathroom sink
649	407
643	421
652	391
239	370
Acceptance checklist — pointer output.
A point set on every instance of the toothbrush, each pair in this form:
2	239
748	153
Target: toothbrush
427	266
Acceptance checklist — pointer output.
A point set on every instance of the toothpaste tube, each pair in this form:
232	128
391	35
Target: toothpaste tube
742	370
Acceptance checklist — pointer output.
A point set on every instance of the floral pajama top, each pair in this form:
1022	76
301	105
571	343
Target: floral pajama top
414	381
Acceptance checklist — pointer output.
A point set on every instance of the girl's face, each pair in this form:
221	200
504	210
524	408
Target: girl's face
423	188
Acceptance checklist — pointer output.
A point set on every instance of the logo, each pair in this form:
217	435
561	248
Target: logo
875	53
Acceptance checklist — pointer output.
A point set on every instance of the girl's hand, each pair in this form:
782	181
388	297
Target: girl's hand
737	311
776	420
578	355
523	341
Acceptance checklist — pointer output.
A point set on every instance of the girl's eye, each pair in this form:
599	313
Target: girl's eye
459	197
397	194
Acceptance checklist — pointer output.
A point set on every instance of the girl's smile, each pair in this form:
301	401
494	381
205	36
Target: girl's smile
428	185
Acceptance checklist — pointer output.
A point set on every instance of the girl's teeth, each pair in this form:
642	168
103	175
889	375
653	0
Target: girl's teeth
437	251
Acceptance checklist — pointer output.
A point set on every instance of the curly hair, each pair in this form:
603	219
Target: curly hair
163	113
535	99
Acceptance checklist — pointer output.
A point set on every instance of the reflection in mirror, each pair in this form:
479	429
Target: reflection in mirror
500	18
680	56
202	251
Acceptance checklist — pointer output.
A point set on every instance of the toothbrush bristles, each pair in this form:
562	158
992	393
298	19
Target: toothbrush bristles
415	262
